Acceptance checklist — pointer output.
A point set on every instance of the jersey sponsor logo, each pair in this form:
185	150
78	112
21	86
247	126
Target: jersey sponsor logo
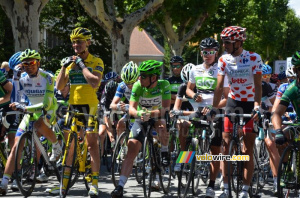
211	72
150	102
239	73
35	92
238	80
99	68
49	79
155	92
27	85
206	83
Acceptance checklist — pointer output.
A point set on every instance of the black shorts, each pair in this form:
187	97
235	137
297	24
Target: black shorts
13	120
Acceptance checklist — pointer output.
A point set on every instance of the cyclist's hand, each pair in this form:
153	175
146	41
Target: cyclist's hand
145	116
17	72
279	137
18	107
197	97
256	114
176	112
65	62
211	113
79	62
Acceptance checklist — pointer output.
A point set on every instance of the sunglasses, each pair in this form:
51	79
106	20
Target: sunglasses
266	76
176	66
209	52
228	42
29	63
78	41
144	76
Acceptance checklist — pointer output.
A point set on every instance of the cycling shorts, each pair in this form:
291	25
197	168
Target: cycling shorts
13	120
238	107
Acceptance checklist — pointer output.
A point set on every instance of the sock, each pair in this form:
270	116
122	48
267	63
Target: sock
164	148
275	180
225	186
211	184
123	180
66	178
5	179
245	188
95	178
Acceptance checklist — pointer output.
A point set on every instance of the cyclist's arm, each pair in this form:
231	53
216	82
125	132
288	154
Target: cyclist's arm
219	90
275	105
62	78
224	100
49	99
258	89
190	89
114	103
276	118
8	88
92	78
133	108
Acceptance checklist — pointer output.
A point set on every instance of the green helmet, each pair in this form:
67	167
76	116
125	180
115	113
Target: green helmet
150	67
28	53
296	59
130	72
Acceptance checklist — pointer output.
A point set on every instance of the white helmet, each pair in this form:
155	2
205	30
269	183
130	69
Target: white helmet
185	72
290	72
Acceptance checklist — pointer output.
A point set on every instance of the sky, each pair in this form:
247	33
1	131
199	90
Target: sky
295	4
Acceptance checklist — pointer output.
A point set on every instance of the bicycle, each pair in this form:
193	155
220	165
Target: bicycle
26	158
80	158
192	172
236	168
152	161
288	183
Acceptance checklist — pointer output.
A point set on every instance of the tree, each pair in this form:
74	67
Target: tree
180	20
59	18
6	38
24	17
118	19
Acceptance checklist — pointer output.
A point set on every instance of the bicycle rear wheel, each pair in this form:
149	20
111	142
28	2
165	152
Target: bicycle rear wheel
288	180
148	175
201	170
69	170
235	170
119	154
186	174
165	178
139	167
254	185
26	164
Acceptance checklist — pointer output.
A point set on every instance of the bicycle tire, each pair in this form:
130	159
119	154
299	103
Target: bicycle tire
107	150
118	158
186	173
287	173
235	171
264	164
139	167
74	165
205	165
254	185
198	170
148	175
165	178
27	161
2	164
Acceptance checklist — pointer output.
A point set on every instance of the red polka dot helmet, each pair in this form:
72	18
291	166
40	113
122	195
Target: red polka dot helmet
234	33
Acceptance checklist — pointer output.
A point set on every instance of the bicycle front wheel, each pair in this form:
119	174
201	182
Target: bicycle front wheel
119	154
26	164
148	175
69	164
288	179
165	178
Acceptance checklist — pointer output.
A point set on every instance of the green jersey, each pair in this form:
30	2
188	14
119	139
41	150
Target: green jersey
292	94
151	98
3	81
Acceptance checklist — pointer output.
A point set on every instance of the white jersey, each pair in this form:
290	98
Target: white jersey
206	82
240	71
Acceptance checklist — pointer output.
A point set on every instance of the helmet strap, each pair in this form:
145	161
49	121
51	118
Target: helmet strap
151	83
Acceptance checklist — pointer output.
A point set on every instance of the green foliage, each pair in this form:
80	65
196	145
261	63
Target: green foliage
60	17
6	37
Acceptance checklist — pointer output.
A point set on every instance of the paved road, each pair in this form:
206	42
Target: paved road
132	188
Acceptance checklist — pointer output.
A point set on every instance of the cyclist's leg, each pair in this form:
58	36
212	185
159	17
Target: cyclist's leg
102	134
183	127
274	155
121	126
109	128
249	140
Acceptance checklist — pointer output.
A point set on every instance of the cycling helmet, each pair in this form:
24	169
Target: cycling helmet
28	53
14	60
110	89
150	67
234	33
176	59
185	72
209	43
281	76
290	72
266	69
130	72
111	76
296	59
81	33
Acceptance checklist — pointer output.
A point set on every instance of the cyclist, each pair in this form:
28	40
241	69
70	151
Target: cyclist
129	75
204	78
84	72
268	95
290	95
105	124
244	73
282	77
154	95
37	86
107	78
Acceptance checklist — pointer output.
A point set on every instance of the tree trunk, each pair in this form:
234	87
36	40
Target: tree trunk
24	16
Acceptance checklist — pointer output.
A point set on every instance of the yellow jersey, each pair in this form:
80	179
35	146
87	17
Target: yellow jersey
80	91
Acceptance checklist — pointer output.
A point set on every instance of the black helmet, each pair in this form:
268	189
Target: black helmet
209	43
176	59
110	89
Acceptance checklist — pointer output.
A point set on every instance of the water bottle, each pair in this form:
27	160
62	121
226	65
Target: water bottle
203	134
